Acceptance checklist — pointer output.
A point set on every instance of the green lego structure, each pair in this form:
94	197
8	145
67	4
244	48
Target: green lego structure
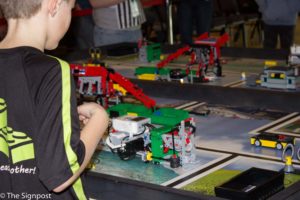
164	134
150	52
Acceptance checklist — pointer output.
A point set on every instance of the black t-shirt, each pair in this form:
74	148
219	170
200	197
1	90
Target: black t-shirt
40	146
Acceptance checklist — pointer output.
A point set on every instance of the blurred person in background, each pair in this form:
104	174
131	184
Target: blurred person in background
117	21
279	18
194	14
82	25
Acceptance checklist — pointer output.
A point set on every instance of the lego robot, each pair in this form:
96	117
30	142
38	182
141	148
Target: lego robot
163	135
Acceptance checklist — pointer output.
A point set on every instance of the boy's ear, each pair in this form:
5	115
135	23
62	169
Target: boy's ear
53	6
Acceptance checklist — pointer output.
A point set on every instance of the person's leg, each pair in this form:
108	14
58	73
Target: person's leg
83	32
286	34
270	36
185	22
203	15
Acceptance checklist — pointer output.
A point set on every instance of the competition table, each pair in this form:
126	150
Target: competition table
105	186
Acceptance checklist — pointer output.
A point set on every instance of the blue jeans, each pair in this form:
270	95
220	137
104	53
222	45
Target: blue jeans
106	37
194	13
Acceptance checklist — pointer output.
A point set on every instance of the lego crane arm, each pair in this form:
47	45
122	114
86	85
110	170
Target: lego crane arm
172	56
108	77
133	89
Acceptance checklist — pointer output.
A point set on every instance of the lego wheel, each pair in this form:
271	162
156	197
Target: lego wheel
174	162
125	154
177	74
257	143
279	146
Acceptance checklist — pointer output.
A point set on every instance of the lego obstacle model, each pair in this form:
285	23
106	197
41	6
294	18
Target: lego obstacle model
158	135
108	87
272	140
204	55
161	135
149	52
280	77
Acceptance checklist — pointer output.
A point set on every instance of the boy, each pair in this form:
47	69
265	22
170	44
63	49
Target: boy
42	151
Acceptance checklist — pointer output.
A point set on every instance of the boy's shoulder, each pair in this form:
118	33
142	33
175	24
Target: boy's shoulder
39	65
29	57
34	63
38	58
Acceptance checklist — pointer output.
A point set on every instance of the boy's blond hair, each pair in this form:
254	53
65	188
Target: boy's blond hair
14	9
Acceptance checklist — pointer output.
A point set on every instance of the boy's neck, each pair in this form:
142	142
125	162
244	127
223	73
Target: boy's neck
25	32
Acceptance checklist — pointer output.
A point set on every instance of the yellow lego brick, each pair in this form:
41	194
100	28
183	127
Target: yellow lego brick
270	63
267	143
150	77
120	89
149	156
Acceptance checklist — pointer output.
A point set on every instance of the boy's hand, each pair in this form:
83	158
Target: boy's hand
87	110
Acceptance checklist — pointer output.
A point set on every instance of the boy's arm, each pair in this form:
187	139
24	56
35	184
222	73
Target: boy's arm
90	136
104	3
61	150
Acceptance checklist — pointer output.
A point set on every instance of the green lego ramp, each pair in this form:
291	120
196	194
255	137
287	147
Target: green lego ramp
168	116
